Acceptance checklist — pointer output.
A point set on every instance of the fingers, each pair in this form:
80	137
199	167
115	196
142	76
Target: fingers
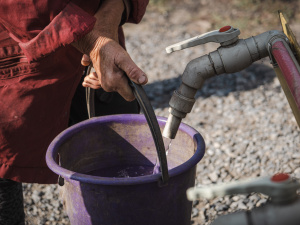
91	81
111	61
124	89
125	63
85	60
116	81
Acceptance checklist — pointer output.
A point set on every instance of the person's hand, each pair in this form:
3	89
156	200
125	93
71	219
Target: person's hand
110	61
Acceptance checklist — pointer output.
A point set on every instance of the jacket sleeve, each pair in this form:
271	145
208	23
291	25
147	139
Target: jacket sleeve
37	39
138	9
41	27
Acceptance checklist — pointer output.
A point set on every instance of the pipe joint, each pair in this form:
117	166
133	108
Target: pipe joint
197	71
181	102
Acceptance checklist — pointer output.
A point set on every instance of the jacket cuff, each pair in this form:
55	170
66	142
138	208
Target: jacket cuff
69	25
138	9
126	13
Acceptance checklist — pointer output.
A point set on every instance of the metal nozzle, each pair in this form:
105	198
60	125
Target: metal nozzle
172	126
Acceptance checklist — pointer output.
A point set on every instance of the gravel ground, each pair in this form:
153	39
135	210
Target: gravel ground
244	118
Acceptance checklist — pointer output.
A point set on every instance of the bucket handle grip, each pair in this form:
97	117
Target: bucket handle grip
148	111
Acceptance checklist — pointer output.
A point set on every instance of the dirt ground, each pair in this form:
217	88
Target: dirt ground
250	16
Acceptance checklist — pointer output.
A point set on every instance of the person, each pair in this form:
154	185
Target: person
41	47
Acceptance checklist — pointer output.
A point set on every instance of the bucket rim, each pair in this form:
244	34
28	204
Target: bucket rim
52	153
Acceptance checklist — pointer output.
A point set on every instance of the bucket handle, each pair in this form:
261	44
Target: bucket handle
148	111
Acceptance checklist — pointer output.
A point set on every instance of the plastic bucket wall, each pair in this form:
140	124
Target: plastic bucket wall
112	141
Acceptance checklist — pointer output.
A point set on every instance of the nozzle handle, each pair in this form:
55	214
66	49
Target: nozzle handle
280	187
223	35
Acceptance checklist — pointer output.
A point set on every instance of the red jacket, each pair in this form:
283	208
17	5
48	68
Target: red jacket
35	97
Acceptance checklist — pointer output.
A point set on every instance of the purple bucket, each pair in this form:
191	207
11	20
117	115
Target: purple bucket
109	142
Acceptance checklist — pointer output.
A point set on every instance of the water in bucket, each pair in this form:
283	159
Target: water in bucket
122	171
131	171
167	143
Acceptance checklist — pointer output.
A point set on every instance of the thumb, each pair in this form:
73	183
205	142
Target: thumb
85	60
125	63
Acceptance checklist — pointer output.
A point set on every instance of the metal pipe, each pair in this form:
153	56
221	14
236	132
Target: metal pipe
226	59
183	99
288	73
273	214
288	94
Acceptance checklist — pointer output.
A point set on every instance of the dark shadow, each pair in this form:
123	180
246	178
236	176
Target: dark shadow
106	103
254	76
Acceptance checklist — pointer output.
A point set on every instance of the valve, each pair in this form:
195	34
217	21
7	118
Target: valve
280	187
225	36
232	56
283	207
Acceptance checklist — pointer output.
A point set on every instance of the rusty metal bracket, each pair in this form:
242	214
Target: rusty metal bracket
289	33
